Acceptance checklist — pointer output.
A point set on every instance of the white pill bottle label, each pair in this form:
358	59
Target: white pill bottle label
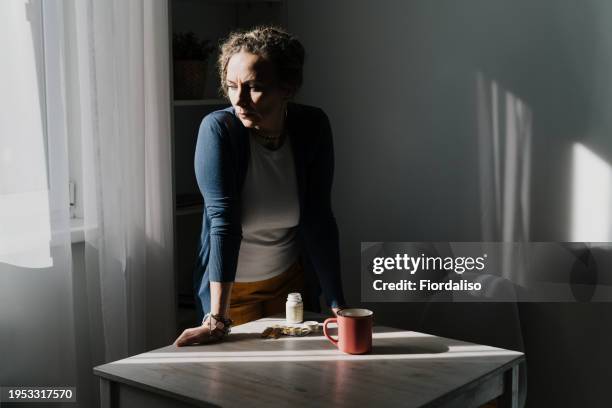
294	308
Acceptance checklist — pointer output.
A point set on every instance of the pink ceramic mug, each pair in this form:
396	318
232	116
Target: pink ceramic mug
354	330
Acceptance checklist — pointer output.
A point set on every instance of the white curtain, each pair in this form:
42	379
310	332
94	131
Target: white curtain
24	199
125	97
95	75
37	338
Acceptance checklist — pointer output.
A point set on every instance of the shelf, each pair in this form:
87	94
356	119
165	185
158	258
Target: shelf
245	1
256	1
200	102
190	203
186	301
189	210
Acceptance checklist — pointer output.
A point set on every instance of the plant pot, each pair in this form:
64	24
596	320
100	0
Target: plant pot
190	79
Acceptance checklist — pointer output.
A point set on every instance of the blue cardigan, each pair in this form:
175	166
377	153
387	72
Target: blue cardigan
221	162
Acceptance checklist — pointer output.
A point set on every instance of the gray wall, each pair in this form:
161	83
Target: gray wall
397	79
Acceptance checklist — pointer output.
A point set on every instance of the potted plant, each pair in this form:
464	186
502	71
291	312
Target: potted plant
190	55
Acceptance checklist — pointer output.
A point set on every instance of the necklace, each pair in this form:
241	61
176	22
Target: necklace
267	137
272	142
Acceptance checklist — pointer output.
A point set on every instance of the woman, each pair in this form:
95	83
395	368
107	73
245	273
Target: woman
265	169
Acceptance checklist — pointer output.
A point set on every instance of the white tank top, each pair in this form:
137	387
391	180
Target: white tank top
270	214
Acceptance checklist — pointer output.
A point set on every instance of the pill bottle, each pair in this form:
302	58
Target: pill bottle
294	308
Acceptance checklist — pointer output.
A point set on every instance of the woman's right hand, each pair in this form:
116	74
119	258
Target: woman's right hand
194	335
213	328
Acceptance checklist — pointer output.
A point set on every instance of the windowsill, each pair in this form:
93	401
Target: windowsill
77	230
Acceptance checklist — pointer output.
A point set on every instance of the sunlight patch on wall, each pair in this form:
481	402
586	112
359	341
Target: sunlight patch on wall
591	197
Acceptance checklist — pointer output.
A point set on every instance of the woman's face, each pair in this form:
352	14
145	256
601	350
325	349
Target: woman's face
255	92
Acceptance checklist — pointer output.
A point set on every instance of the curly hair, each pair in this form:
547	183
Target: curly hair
272	43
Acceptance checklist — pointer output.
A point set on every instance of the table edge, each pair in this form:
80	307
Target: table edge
141	386
100	372
457	391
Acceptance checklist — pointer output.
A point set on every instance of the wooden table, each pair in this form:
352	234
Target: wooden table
406	368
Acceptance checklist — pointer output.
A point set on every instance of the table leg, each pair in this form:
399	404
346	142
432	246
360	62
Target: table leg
108	393
509	399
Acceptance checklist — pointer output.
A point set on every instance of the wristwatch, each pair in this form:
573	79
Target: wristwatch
221	326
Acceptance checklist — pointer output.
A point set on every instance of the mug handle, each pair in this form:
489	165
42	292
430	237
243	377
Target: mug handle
325	323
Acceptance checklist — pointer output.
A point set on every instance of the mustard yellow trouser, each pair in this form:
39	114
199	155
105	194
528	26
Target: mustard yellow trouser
253	300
